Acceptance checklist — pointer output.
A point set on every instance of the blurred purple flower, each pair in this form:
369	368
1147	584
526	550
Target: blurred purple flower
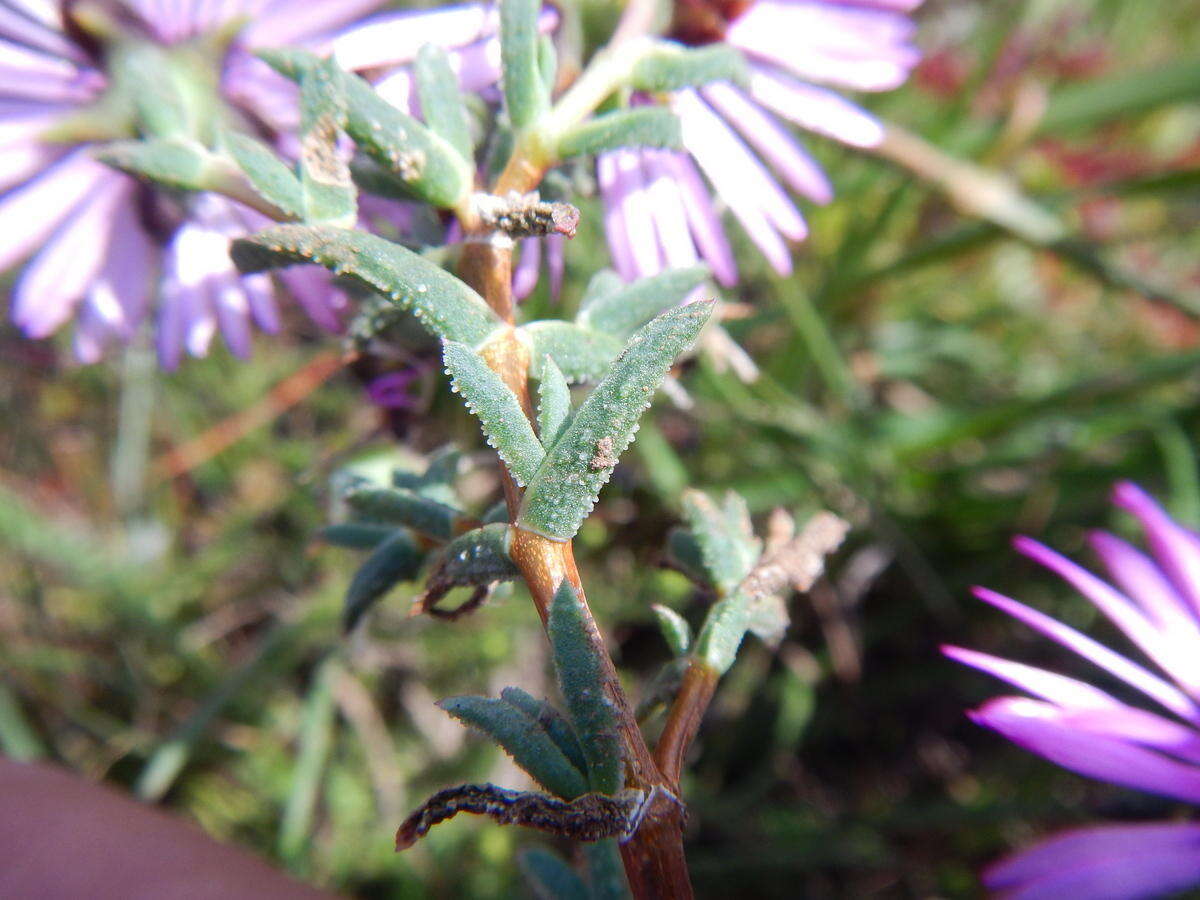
1154	601
105	240
391	391
658	212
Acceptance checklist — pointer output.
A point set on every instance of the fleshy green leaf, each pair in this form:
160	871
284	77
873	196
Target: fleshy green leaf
269	175
671	67
623	311
552	720
415	154
722	633
566	485
175	162
525	94
497	408
523	739
403	507
554	402
437	481
579	677
395	560
441	102
475	557
445	305
357	535
725	535
600	285
549	877
581	354
643	126
684	554
329	194
547	63
674	628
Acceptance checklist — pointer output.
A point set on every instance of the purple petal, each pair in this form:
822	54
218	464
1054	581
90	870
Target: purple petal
20	161
1056	688
261	297
1144	582
30	213
614	220
556	263
525	275
1131	673
37	34
1176	549
702	217
670	217
55	281
1177	658
287	22
391	391
784	152
816	109
638	213
313	290
1120	862
169	335
394	39
1040	728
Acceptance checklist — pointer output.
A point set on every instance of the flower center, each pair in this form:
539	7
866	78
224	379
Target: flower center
698	22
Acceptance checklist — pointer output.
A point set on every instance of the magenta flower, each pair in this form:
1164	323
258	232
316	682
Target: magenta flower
112	251
1154	601
658	213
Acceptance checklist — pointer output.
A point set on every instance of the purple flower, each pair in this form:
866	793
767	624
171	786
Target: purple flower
658	213
112	251
1154	600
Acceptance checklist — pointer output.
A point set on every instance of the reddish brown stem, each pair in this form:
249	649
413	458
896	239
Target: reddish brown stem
683	722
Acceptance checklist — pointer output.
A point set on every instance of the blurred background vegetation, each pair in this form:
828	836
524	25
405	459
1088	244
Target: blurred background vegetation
169	623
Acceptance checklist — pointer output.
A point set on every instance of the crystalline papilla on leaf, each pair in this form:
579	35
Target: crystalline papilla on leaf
566	485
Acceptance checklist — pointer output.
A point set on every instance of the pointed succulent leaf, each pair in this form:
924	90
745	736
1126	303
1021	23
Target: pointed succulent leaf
445	305
476	557
675	629
624	311
269	176
552	720
497	408
441	102
423	160
642	126
684	554
395	560
554	402
547	63
523	739
671	67
724	534
175	162
566	485
437	481
372	178
606	874
599	286
403	507
549	876
581	354
722	634
579	677
329	194
525	94
357	535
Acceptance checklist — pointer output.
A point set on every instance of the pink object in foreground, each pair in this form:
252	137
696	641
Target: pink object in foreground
658	211
1154	600
62	836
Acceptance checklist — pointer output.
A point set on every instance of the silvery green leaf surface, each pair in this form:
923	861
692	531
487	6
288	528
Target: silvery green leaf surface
672	66
437	481
269	175
567	483
722	634
554	402
175	162
684	554
549	877
395	560
600	285
523	739
497	408
525	94
552	720
547	63
357	535
725	536
445	305
581	354
441	102
478	557
623	311
642	126
329	194
674	627
403	507
579	677
430	165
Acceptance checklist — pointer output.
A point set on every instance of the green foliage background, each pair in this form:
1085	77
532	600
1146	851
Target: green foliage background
936	381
